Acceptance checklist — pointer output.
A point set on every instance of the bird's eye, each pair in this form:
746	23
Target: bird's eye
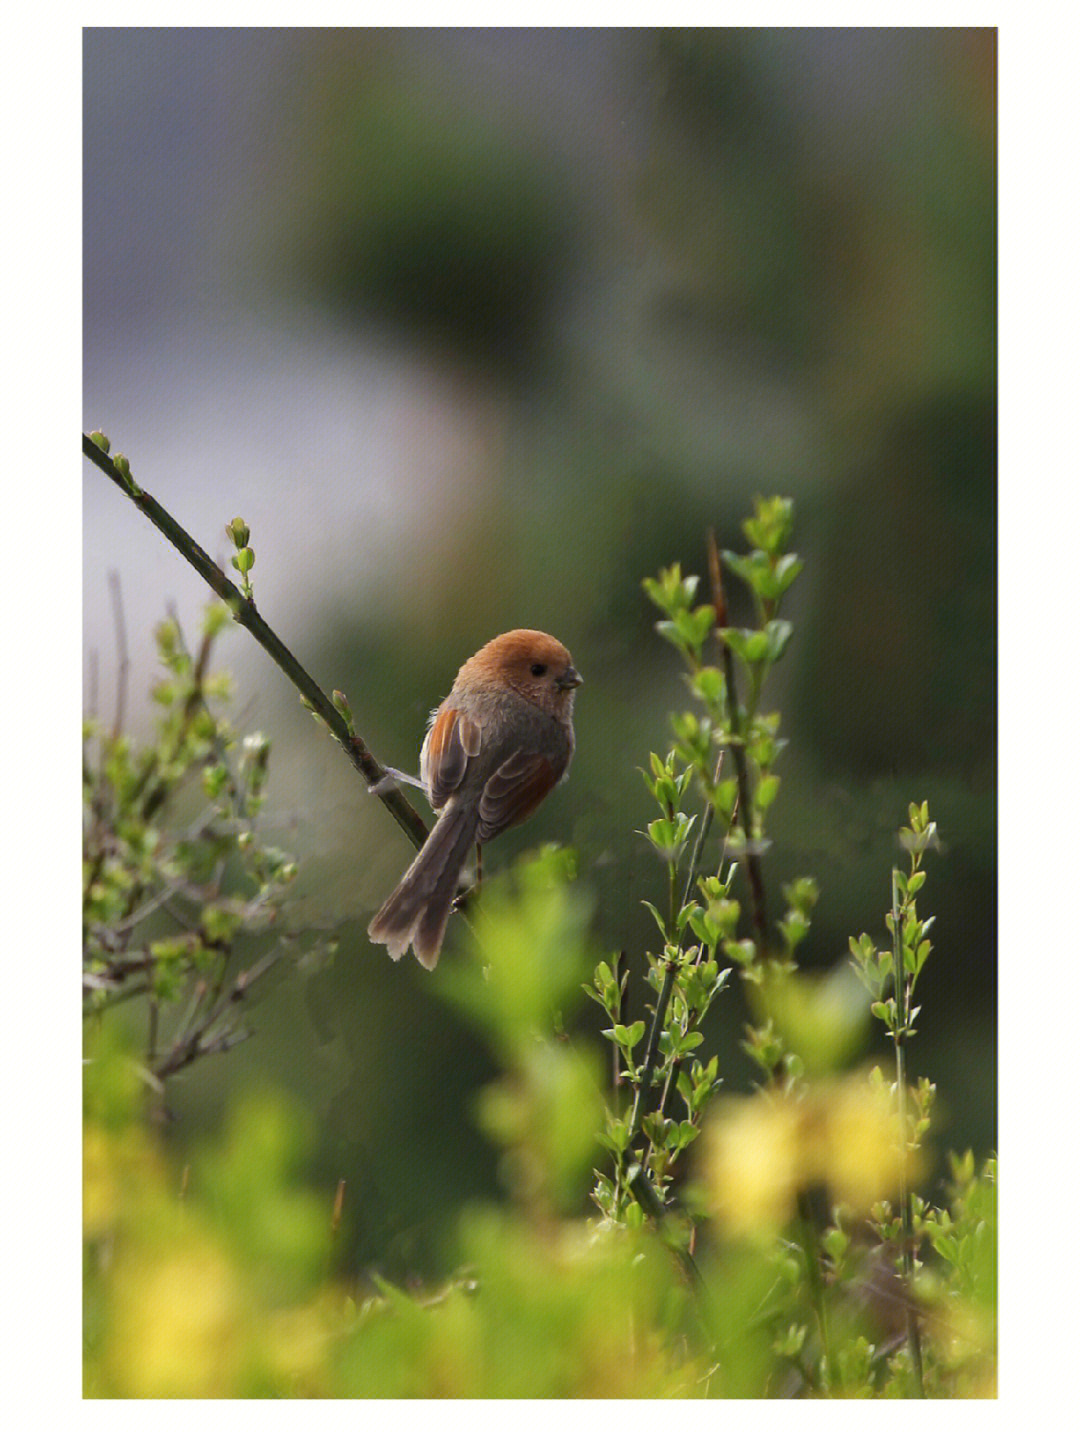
538	670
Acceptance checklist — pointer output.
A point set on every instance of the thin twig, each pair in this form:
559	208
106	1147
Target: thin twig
152	905
703	830
119	997
247	615
643	1191
192	1045
651	1051
702	836
620	976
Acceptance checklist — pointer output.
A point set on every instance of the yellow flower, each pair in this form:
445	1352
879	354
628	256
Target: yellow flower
862	1155
843	1134
754	1164
177	1323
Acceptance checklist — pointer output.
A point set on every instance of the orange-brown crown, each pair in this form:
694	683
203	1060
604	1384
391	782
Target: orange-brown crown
531	662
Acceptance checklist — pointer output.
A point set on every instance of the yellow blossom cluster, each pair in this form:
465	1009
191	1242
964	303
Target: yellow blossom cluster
843	1134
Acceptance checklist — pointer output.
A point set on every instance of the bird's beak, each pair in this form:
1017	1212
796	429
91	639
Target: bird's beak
569	679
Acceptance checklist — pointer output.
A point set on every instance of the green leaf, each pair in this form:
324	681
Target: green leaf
767	790
727	794
777	635
737	640
694	625
742	951
669	631
836	1244
786	572
661	923
794	929
686	1133
709	684
705	927
670	592
862	948
658	766
627	1036
238	532
790	1344
669	835
772	523
756	646
739	566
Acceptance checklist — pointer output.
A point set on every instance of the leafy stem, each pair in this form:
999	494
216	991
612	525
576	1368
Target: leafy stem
740	731
652	1051
902	989
901	966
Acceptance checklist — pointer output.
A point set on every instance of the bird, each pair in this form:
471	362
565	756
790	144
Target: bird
501	740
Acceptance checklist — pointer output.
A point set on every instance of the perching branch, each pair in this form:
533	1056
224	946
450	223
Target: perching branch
246	614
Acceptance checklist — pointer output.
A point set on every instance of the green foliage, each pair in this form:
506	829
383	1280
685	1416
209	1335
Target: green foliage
773	1243
182	900
855	1138
557	1312
214	1282
699	924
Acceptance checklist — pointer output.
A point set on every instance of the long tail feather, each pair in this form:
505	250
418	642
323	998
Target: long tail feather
417	911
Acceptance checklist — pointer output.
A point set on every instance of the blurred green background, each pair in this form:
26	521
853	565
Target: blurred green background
476	329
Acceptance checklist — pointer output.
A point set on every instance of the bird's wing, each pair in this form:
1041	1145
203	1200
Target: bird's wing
514	791
451	742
